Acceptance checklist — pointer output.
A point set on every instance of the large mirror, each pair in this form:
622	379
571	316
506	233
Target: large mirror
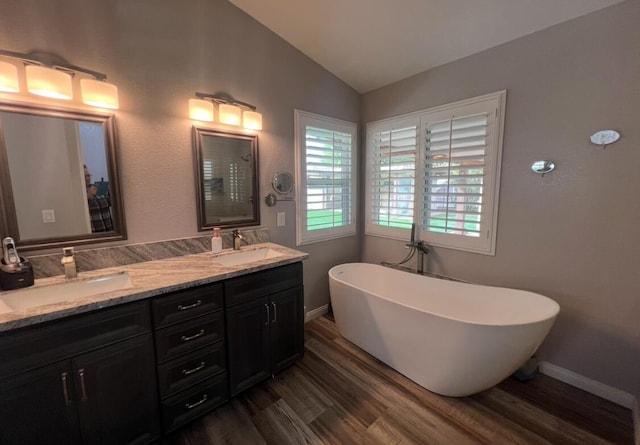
226	178
58	177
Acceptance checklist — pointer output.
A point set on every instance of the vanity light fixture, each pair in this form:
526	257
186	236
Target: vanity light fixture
48	82
49	75
230	114
8	78
201	110
230	110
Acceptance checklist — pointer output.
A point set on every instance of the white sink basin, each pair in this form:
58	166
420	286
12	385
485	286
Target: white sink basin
23	299
246	256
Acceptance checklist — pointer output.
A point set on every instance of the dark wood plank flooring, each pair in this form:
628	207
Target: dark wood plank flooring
339	394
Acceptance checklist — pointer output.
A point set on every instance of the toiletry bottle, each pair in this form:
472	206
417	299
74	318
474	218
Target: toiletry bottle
10	253
69	263
216	241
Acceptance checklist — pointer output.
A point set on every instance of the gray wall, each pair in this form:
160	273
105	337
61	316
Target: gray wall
159	53
572	235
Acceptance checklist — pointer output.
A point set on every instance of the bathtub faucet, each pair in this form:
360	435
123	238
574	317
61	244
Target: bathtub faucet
422	250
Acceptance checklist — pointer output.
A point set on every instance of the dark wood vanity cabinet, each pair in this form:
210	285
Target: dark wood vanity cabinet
124	374
85	379
191	356
265	317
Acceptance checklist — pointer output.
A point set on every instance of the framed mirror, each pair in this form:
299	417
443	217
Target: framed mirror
59	181
226	165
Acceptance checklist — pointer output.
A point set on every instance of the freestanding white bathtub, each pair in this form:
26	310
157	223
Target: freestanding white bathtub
453	338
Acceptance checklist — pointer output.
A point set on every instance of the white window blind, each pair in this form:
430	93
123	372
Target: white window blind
391	178
456	176
207	171
326	172
455	151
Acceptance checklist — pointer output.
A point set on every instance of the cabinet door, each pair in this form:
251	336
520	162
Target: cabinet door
287	327
39	407
116	393
248	343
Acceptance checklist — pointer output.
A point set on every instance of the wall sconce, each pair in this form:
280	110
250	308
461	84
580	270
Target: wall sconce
8	78
230	110
49	75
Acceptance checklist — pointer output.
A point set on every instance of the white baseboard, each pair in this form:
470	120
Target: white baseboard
586	384
636	420
315	313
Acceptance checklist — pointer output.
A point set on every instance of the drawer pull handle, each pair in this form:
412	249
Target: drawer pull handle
196	369
266	323
198	403
82	385
65	389
275	313
194	336
189	306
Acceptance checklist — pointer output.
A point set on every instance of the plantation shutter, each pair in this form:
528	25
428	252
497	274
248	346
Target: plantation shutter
392	169
455	167
207	172
328	178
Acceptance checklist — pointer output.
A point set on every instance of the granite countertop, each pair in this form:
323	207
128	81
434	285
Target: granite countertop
149	279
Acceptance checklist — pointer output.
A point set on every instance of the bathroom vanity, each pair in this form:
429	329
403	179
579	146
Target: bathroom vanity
130	365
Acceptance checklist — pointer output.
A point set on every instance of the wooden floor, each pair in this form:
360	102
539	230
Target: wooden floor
339	394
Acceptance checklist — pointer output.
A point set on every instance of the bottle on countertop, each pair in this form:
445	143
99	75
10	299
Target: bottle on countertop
69	263
216	241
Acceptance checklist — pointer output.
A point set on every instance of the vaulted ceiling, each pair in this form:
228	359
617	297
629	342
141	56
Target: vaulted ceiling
372	43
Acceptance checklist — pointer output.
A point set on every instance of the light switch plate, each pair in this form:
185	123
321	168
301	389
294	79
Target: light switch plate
48	216
280	219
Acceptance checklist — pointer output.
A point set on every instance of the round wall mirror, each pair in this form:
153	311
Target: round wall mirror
282	183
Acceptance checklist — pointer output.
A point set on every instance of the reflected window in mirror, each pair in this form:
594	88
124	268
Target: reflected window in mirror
226	165
59	184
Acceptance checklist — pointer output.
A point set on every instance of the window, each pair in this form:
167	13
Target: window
459	154
326	172
391	176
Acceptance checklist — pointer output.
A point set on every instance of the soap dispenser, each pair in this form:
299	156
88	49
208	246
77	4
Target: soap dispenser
69	263
216	241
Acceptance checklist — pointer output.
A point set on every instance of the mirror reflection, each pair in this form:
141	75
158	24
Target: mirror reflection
226	178
59	180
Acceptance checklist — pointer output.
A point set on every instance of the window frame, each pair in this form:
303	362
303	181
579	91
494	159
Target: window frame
302	119
494	104
373	129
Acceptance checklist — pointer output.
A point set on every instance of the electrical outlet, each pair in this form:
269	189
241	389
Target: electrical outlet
280	219
48	216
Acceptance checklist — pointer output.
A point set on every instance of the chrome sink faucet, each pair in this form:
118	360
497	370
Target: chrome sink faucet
69	263
237	239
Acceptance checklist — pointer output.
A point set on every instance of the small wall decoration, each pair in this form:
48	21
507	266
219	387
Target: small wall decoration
605	137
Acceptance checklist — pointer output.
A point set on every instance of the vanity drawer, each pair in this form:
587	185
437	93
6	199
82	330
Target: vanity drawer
194	367
187	304
176	340
35	346
258	284
189	404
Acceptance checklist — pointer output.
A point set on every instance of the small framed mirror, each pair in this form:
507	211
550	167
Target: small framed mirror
59	181
226	167
282	183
